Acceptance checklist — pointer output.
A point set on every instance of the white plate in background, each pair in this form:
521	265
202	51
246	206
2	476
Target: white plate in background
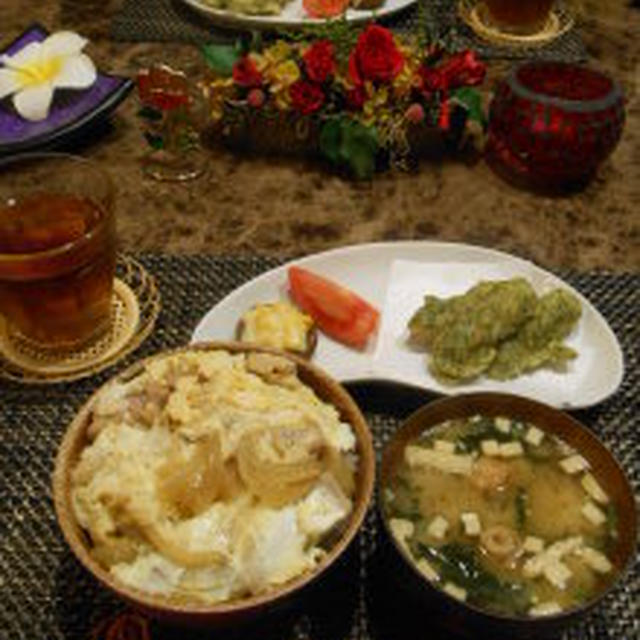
292	15
448	268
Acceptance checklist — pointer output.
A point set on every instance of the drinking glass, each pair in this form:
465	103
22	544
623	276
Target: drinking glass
57	248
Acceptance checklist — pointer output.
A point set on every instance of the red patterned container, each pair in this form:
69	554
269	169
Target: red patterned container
553	123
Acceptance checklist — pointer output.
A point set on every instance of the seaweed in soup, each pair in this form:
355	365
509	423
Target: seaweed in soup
461	564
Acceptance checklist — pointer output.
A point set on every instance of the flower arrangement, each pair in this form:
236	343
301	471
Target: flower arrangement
352	94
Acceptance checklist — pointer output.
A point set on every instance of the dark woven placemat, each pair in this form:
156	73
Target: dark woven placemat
172	20
44	593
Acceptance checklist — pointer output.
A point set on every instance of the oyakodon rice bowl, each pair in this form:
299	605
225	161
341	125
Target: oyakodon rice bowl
205	483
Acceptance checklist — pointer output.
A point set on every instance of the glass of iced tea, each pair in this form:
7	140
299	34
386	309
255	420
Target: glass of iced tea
519	16
57	248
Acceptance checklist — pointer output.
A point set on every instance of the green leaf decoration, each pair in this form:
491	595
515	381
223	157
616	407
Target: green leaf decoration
149	113
330	138
471	100
346	142
358	149
221	57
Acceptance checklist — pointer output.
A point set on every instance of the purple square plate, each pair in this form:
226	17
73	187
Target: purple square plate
70	111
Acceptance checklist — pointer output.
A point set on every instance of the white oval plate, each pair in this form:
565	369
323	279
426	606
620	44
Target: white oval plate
293	15
394	277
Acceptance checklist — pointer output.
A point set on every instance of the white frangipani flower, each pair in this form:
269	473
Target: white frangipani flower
32	74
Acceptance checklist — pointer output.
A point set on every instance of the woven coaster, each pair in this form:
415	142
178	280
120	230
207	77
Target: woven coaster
45	593
475	16
135	304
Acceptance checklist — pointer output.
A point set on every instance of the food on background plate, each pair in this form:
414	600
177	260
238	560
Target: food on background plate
249	7
325	8
210	476
278	325
337	311
333	8
498	328
313	8
502	515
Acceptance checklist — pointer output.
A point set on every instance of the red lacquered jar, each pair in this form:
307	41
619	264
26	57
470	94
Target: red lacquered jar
551	124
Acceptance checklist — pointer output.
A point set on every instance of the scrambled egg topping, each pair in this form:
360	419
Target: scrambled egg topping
278	325
213	476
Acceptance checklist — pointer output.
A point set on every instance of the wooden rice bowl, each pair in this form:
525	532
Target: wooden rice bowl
233	611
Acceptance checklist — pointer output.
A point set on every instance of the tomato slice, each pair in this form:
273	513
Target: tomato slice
338	312
325	8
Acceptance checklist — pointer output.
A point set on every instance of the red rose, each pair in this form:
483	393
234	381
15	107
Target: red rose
463	69
432	79
306	97
246	74
320	61
376	56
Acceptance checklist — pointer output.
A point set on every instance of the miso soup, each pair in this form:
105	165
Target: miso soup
502	515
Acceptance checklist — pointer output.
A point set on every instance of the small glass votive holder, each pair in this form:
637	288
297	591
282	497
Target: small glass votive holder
551	124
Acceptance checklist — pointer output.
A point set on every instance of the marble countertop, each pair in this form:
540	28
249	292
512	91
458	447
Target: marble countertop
279	206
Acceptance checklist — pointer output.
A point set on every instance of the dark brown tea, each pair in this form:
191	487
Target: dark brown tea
57	264
519	16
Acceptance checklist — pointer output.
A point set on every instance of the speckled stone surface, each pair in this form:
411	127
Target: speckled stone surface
280	206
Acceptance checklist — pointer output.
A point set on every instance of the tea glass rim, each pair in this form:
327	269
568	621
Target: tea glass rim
80	161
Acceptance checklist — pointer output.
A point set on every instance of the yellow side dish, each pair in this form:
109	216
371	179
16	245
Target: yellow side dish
278	325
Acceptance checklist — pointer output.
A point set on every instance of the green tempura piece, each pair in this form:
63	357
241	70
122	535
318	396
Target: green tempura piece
475	323
437	314
539	343
429	320
497	327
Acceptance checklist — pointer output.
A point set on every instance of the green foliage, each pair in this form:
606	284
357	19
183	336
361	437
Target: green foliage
220	58
471	100
342	33
346	142
150	113
331	139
